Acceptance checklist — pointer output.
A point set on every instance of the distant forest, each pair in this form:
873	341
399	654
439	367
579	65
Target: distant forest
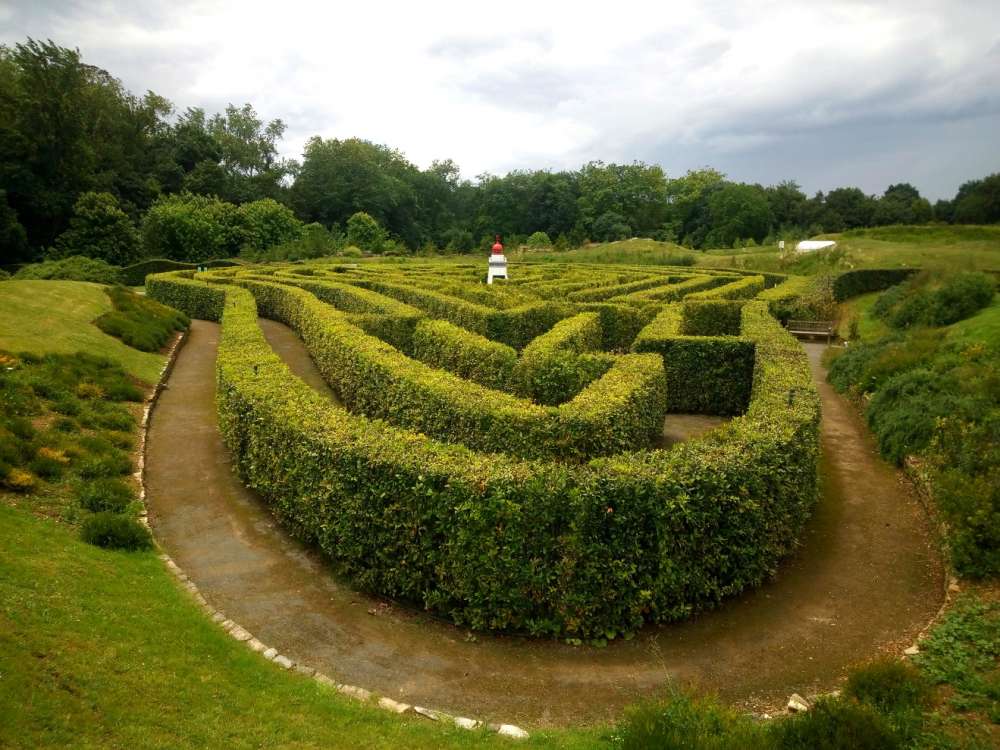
87	167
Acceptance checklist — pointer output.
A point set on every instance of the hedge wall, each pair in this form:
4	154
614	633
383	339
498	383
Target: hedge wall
674	291
551	369
864	280
526	546
373	378
784	298
195	299
705	374
440	344
135	275
746	288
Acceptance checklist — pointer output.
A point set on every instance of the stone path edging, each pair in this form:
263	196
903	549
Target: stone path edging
243	635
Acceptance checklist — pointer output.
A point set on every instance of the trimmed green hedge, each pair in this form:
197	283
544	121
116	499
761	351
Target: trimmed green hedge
783	299
135	275
551	370
674	291
705	374
441	344
602	293
542	548
746	288
515	326
619	323
711	318
864	280
373	378
180	291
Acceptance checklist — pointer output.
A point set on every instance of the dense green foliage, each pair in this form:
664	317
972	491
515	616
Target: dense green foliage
708	373
862	281
937	397
115	531
537	546
72	129
555	367
141	323
441	344
100	229
75	268
926	300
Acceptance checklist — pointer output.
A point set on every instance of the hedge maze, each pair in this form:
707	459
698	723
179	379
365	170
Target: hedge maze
495	455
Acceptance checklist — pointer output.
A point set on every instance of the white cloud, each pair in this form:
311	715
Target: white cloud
528	84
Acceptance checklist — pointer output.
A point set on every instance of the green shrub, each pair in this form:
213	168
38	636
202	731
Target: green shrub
105	495
100	229
893	688
685	723
959	297
364	232
539	240
835	725
904	411
966	478
266	223
141	323
192	228
783	300
74	268
181	293
113	464
115	531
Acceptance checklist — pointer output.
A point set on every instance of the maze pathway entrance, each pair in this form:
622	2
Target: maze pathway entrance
865	580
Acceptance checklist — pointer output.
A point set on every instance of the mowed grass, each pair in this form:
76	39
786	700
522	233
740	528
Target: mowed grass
57	316
102	649
935	247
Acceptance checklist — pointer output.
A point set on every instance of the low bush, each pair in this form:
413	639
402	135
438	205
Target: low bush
141	323
893	688
114	464
115	531
74	268
105	495
836	725
685	723
551	370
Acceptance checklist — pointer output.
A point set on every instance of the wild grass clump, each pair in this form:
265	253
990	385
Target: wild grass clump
139	322
105	495
927	300
115	531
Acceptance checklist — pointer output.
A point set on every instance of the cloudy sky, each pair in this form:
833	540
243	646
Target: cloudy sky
826	93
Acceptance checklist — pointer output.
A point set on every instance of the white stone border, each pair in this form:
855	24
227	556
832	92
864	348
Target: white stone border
244	636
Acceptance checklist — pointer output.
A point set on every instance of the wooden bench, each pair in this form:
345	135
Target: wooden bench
812	328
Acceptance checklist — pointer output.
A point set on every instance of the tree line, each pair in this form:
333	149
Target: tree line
87	167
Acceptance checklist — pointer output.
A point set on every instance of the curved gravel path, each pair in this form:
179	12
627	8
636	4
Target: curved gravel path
866	580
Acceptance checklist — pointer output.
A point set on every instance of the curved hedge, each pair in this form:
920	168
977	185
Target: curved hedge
440	344
135	275
746	288
551	369
546	548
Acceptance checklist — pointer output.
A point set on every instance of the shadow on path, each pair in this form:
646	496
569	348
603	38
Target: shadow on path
866	580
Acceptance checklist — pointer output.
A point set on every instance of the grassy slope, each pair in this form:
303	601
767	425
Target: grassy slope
103	649
56	316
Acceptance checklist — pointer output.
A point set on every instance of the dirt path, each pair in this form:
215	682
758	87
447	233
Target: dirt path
865	580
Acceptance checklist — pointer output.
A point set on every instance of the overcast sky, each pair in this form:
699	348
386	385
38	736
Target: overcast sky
825	93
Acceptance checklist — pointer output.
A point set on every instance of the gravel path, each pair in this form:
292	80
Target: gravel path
866	580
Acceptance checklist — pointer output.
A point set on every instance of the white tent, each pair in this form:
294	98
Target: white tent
808	246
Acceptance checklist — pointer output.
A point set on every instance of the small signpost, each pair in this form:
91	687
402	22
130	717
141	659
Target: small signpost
498	263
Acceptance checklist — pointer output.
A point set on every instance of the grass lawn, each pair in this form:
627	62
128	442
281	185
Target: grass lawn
103	649
56	316
984	327
869	328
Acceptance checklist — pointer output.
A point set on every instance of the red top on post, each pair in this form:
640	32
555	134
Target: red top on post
497	247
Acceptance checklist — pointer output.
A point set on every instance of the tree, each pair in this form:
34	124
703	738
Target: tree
192	228
787	202
539	240
13	238
266	222
851	206
637	193
737	212
100	229
364	232
687	204
609	227
249	153
902	204
978	201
